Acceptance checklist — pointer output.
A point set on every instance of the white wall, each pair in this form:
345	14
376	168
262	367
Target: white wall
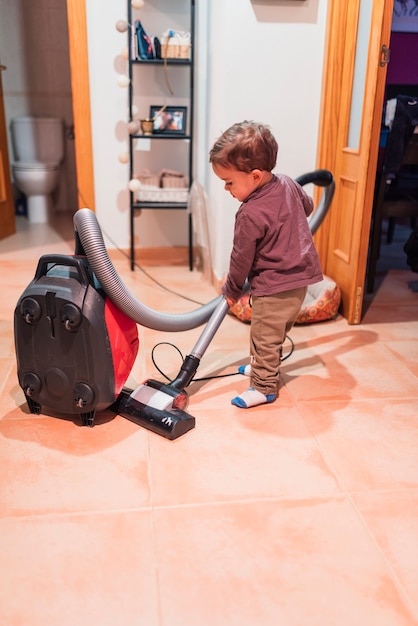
265	64
259	59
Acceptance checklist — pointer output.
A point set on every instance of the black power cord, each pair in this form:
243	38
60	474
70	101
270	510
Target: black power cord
194	380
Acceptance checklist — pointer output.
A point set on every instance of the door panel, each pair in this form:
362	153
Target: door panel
344	228
343	243
7	210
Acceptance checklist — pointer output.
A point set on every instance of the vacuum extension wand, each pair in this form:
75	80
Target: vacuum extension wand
192	360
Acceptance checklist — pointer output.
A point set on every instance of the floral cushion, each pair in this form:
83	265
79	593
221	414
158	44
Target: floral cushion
321	302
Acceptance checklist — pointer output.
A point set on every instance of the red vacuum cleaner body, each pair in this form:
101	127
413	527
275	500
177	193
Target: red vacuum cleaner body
75	349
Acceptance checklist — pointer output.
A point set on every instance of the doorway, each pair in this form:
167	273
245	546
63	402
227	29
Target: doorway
35	50
401	79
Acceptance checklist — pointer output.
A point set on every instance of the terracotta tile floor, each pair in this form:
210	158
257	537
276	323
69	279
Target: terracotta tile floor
303	512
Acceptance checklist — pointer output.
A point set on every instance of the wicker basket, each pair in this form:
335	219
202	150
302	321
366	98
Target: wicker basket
174	51
155	194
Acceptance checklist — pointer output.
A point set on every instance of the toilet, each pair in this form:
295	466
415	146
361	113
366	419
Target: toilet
38	148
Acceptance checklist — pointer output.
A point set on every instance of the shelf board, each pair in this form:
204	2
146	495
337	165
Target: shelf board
161	61
159	205
166	135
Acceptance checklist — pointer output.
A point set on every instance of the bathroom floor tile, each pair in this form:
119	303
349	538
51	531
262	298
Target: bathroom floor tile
238	455
296	562
369	444
51	465
79	569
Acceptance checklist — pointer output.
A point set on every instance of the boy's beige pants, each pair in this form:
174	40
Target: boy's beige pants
272	317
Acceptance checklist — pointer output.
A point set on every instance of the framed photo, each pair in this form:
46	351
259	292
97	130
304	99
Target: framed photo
169	119
405	16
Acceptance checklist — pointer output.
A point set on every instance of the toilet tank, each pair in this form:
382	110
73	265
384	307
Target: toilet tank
38	139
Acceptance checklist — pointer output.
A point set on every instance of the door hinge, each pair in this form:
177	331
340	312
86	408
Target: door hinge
358	305
384	56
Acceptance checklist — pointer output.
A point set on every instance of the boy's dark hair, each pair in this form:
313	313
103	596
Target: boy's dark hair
246	146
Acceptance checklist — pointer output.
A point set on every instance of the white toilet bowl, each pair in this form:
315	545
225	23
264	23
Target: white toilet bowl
38	146
37	181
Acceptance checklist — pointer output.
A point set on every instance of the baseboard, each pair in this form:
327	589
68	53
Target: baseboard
155	256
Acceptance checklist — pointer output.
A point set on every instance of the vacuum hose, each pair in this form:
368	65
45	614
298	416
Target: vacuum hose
90	236
88	230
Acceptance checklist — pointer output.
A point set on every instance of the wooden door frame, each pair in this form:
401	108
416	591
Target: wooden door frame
330	107
80	88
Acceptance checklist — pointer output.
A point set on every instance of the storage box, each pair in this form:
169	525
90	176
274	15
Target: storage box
178	181
147	178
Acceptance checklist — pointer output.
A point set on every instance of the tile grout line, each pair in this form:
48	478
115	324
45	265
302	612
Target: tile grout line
393	575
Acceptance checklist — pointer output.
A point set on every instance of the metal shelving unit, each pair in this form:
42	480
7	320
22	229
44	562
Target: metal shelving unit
188	65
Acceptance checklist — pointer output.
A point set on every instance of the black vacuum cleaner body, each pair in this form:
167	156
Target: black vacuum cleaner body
75	349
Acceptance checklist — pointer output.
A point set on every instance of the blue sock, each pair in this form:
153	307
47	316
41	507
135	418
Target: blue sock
252	397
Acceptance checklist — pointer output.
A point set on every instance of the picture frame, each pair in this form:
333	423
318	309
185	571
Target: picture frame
169	120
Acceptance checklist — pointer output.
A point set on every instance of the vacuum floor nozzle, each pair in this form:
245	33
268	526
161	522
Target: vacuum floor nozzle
169	423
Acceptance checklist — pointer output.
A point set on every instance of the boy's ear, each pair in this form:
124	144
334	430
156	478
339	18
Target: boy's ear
256	174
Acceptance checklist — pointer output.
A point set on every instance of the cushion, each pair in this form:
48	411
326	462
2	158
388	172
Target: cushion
321	303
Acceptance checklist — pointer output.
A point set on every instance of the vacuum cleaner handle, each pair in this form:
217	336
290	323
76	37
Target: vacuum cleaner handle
48	262
321	178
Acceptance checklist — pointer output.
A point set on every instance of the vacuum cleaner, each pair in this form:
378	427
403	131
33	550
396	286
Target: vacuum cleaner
76	334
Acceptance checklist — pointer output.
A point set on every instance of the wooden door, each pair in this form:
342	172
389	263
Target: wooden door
7	210
80	89
349	138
